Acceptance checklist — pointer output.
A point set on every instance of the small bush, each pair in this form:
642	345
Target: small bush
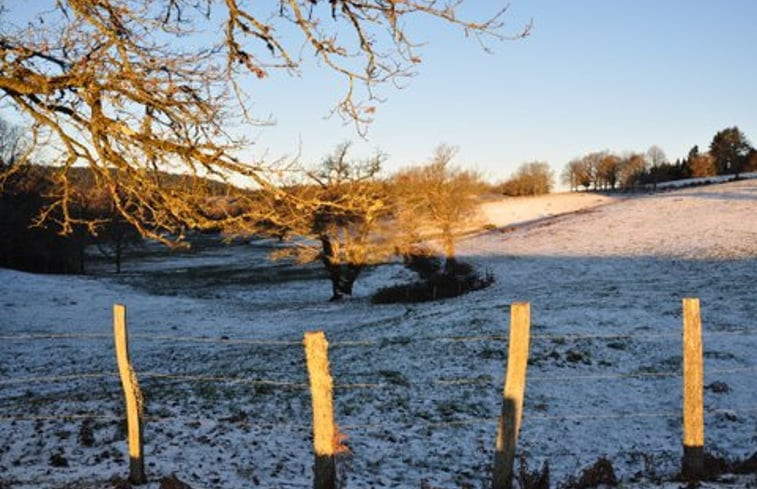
601	472
716	465
533	479
458	279
423	262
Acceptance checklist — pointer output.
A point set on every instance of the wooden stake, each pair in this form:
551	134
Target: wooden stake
512	403
133	397
693	392
325	440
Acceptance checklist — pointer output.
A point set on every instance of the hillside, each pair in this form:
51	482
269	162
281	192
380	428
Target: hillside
216	344
715	221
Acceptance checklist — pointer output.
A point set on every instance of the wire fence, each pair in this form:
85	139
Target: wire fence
389	340
394	341
367	385
398	340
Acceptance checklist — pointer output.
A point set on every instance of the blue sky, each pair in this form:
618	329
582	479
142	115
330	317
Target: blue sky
593	75
618	75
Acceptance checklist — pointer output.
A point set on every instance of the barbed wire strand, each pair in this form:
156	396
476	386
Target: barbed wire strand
596	376
387	426
186	377
398	340
364	385
54	378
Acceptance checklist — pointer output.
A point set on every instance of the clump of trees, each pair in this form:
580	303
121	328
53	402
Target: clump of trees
30	241
603	170
534	178
730	153
34	248
345	215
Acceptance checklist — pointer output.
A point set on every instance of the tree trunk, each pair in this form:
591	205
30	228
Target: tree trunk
342	275
118	255
449	252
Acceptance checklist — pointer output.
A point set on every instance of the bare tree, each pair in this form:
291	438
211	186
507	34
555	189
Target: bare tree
438	195
13	145
577	173
338	215
131	87
591	163
656	159
608	170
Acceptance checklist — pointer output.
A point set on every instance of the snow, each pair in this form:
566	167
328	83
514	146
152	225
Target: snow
418	387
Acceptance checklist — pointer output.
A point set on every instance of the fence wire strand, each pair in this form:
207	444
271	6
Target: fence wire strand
379	426
358	385
397	340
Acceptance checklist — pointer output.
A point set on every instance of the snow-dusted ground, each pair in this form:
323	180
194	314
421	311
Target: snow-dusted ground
418	386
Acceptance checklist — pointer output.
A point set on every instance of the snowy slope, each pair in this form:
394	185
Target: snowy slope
702	222
418	387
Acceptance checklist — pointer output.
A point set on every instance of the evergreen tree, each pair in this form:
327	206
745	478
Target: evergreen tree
730	148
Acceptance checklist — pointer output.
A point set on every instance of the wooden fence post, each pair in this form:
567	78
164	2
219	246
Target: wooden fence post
133	395
321	390
693	392
512	403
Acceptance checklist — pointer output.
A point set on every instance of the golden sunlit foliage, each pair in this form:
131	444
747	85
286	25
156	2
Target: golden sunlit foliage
134	87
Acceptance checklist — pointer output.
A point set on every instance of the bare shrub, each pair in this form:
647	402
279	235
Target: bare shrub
601	472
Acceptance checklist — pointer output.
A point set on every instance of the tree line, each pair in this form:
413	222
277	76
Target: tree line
729	153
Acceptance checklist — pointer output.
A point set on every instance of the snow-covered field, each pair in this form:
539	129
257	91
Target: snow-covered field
418	387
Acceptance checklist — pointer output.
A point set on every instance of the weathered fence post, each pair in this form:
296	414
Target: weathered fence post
133	397
693	392
321	391
512	403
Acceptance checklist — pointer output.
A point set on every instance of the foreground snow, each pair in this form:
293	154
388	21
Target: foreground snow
418	387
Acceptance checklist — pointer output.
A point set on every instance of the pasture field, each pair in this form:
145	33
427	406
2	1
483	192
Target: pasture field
216	343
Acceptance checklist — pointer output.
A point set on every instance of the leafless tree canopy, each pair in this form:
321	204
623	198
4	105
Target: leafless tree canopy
129	87
338	214
439	196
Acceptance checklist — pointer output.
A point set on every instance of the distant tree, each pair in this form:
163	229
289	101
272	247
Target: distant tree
336	215
584	172
656	160
701	165
751	161
693	152
730	149
111	233
569	175
439	196
534	178
656	156
13	144
592	163
632	169
609	170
